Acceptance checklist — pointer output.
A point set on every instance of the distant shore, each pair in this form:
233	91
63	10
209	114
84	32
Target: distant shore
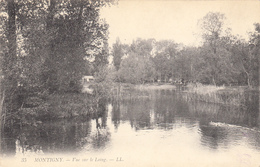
150	86
155	86
192	88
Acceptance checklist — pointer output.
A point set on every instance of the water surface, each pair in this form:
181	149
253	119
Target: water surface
156	128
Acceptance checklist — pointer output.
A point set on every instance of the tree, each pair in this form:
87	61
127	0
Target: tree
254	50
77	33
240	60
165	55
135	69
187	64
212	27
43	46
49	72
10	83
142	47
162	65
118	52
136	66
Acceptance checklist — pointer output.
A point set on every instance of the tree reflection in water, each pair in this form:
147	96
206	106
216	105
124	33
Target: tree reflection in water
213	126
100	135
167	109
62	136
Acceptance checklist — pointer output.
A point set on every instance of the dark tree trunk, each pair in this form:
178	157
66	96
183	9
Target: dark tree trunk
77	51
10	61
49	72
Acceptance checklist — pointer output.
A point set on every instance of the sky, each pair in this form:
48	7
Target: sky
175	20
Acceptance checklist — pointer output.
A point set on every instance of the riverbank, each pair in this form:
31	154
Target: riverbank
71	105
128	86
234	95
205	89
122	88
60	106
238	96
154	86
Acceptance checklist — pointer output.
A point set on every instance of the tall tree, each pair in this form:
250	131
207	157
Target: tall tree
212	28
165	53
142	47
77	32
255	52
136	69
49	72
10	61
118	53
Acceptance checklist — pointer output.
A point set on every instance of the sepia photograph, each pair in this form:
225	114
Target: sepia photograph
129	83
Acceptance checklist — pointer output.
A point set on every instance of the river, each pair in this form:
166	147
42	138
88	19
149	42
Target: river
157	128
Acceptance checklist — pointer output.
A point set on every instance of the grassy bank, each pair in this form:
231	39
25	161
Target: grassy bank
149	86
135	92
69	105
154	86
237	96
59	106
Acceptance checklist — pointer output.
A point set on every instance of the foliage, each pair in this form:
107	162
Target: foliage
104	80
142	47
165	54
228	96
136	69
223	59
118	52
212	27
44	45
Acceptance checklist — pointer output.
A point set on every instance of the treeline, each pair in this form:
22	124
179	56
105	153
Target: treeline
45	48
223	58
